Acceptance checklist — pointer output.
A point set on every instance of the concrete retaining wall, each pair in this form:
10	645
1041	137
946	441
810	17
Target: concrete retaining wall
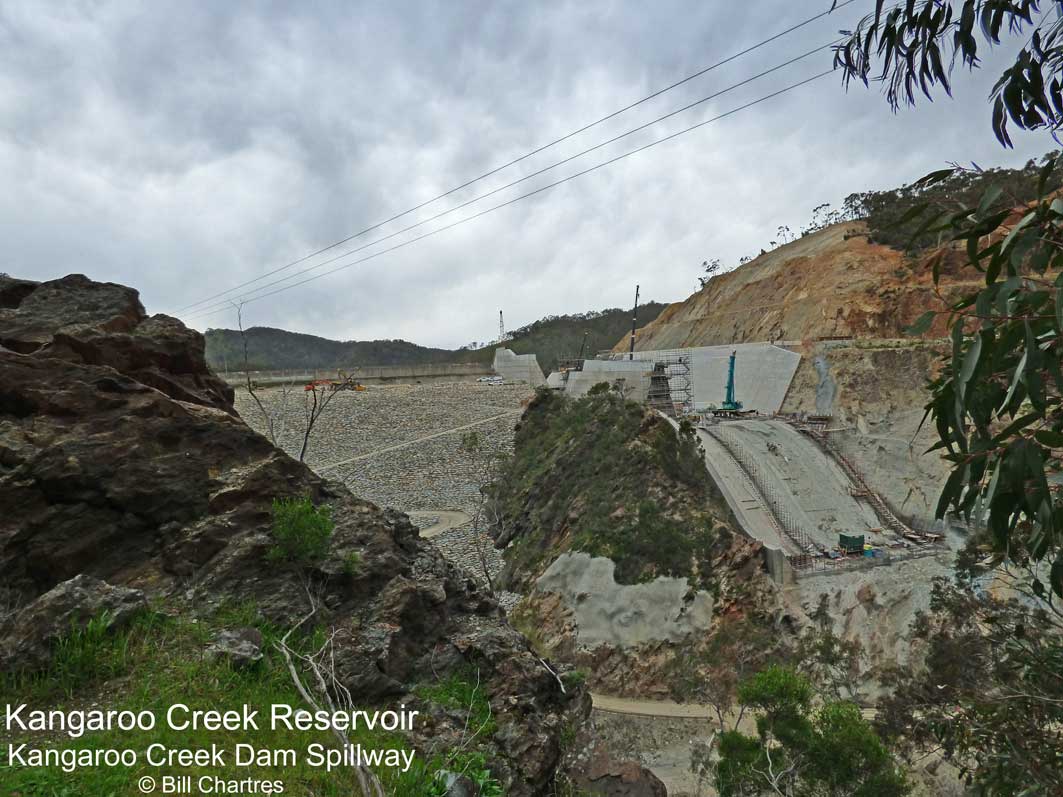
635	373
518	367
763	373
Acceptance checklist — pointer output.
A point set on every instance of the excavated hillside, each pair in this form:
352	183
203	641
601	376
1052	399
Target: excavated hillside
829	284
843	304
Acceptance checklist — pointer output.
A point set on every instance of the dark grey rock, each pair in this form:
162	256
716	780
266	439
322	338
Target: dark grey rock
241	647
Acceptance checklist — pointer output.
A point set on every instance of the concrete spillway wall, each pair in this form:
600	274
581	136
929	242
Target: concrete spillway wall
763	373
636	376
518	367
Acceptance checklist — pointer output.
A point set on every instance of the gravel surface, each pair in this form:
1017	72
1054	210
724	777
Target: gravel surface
404	441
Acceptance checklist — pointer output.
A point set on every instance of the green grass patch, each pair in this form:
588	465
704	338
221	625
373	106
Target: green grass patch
462	691
157	662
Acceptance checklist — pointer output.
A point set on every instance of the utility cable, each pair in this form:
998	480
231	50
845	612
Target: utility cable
527	155
518	181
539	190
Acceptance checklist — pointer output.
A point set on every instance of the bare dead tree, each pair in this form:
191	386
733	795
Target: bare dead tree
487	466
316	398
276	422
324	691
315	401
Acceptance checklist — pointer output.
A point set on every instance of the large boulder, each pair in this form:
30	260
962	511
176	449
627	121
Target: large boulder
27	636
101	323
122	460
604	776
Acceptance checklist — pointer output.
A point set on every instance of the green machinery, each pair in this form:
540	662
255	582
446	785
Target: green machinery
730	404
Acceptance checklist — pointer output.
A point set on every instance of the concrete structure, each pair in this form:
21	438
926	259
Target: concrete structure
804	482
635	373
518	367
745	500
763	373
622	615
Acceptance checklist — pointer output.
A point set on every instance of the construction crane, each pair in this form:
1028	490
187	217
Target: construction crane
730	404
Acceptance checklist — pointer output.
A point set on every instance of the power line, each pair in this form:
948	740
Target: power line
473	200
547	187
527	155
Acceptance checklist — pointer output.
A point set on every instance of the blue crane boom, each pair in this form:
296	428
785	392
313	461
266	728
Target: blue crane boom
729	402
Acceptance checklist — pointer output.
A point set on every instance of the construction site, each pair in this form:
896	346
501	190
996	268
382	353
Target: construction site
783	474
813	442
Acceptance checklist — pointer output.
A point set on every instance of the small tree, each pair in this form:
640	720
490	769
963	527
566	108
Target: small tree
710	269
800	750
276	421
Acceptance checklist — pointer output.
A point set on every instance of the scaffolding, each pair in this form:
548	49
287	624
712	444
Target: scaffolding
671	382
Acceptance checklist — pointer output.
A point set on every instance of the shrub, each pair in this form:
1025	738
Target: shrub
302	531
352	563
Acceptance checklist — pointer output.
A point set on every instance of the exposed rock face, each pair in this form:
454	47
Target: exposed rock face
609	778
27	636
101	323
242	647
830	284
121	459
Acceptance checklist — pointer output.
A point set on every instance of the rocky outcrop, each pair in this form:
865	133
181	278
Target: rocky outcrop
101	323
607	777
27	636
122	460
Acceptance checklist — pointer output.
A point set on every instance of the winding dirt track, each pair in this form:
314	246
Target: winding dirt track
650	708
448	519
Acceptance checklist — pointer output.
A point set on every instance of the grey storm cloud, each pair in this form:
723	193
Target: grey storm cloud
186	148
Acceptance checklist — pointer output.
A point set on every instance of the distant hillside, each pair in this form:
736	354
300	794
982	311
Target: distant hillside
272	349
549	338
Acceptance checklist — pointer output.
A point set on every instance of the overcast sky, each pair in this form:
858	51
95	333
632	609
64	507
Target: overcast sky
185	148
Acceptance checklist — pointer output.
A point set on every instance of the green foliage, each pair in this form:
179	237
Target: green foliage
159	661
777	691
991	692
711	674
896	217
85	656
272	349
997	404
88	654
915	40
832	750
574	679
990	695
352	563
603	476
462	691
599	389
302	532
